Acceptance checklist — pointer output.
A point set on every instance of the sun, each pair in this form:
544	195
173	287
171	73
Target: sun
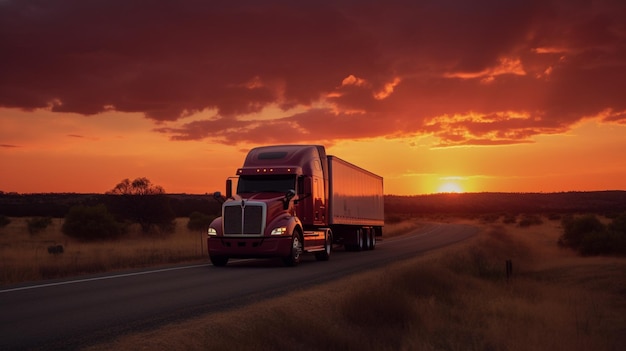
450	187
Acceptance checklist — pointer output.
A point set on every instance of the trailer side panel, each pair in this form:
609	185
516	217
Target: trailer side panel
356	195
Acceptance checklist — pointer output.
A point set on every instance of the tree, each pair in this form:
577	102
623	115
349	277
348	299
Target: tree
142	202
139	186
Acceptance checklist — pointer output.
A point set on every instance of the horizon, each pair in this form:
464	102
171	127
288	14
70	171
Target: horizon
435	97
398	195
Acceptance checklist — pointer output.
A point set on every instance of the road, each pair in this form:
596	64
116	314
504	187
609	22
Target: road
72	313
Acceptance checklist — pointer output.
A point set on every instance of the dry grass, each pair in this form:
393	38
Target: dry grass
454	299
25	257
402	227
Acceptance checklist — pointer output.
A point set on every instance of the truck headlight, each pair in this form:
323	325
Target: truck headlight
279	231
212	232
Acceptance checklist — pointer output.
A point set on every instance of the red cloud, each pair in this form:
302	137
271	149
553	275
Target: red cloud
357	70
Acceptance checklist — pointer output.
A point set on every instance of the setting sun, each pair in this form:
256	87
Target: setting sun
450	187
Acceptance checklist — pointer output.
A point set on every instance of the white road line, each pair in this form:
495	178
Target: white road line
101	278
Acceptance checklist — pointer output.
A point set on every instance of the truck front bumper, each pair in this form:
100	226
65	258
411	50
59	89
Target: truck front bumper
250	247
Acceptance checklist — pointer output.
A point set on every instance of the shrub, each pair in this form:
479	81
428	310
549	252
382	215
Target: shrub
91	223
4	221
528	220
589	236
199	221
619	223
489	217
554	216
150	211
576	228
509	218
393	218
37	224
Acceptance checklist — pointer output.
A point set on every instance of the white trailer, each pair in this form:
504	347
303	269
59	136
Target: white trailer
356	204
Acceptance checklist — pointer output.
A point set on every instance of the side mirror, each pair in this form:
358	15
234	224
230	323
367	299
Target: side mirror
229	188
288	196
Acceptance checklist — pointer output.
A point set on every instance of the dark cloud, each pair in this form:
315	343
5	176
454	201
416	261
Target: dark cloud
480	72
8	146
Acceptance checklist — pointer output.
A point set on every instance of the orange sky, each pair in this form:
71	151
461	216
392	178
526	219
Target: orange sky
511	96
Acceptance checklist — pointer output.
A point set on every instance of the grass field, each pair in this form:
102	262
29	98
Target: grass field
458	298
25	257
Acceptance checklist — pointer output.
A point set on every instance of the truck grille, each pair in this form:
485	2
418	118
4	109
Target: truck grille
244	220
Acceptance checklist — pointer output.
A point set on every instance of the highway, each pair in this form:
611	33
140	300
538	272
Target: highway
77	312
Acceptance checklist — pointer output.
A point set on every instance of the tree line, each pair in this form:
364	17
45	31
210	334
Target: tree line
107	216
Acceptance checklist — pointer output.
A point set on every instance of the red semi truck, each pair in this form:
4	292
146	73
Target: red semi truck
292	199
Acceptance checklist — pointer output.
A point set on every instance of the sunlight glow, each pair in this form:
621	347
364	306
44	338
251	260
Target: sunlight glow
449	187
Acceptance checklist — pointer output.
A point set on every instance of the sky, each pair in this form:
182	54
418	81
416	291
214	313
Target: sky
434	96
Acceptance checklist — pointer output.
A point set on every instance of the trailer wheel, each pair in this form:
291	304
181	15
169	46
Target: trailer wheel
358	241
296	251
219	261
367	239
328	247
373	241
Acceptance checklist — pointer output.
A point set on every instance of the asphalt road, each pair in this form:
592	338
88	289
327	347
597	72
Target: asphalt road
72	313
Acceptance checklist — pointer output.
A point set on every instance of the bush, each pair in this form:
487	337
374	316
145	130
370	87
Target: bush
554	216
509	218
619	223
199	221
150	211
576	228
37	224
605	242
589	236
4	221
91	223
528	220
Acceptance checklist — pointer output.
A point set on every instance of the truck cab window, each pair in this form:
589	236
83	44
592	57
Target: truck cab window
265	183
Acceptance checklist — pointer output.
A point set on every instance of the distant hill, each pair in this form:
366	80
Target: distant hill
57	204
480	203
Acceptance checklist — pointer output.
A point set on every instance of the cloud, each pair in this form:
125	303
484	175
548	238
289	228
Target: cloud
335	69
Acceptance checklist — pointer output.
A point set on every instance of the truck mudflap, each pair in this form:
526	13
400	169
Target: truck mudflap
250	247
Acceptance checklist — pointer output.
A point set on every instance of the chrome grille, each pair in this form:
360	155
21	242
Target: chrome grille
248	219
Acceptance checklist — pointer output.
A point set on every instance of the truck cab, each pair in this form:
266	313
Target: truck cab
279	208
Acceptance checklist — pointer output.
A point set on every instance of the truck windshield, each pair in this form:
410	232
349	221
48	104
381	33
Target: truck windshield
265	183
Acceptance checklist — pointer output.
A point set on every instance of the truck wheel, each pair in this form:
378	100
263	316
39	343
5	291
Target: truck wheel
373	241
360	240
357	243
328	247
296	251
219	261
367	239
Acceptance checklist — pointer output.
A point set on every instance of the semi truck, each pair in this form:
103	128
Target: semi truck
296	199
